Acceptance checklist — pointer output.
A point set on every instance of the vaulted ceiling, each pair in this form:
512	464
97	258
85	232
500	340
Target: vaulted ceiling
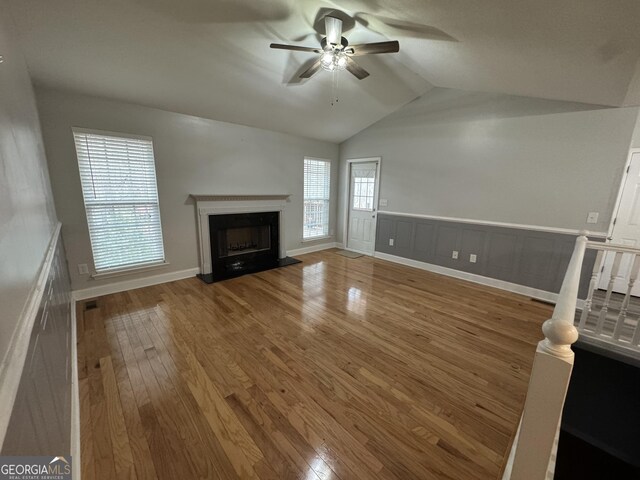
211	58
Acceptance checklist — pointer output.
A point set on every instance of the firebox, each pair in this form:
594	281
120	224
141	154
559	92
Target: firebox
243	243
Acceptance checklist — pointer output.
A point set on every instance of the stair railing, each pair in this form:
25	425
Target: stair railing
600	319
605	317
549	380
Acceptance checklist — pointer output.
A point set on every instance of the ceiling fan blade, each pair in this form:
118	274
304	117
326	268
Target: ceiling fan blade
295	47
355	69
333	29
312	70
371	48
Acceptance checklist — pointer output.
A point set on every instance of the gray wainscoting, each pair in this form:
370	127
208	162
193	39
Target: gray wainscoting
531	258
40	423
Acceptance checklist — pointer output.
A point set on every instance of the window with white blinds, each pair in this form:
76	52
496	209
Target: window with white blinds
118	178
317	188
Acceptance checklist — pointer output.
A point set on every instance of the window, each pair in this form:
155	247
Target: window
364	184
317	179
118	179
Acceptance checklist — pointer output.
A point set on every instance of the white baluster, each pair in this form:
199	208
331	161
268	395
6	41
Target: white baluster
549	379
625	303
636	335
605	306
586	309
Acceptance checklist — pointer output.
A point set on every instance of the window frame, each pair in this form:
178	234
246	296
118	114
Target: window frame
132	267
327	199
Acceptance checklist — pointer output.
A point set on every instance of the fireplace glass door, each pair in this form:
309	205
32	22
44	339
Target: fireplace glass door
241	240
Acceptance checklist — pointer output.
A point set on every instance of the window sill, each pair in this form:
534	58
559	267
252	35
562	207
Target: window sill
128	271
315	239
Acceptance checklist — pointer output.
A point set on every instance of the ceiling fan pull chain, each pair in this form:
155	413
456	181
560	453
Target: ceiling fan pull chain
334	88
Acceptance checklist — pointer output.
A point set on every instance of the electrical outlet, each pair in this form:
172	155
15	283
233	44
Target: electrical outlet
391	242
384	202
473	258
592	217
454	255
83	269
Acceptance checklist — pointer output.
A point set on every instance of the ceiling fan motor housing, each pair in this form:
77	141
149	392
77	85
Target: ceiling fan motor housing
344	43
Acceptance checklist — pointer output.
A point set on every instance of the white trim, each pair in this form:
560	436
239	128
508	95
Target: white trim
506	474
521	226
106	133
75	397
623	180
315	239
14	359
472	277
313	248
118	272
347	201
117	287
238	198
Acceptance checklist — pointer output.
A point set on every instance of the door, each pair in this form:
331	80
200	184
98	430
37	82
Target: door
626	230
363	194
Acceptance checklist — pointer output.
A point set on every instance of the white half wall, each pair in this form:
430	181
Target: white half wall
27	216
498	158
193	155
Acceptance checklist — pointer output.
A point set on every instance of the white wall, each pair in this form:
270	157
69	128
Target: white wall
193	155
27	216
499	158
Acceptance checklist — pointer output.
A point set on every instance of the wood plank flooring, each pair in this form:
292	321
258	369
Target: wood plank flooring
334	368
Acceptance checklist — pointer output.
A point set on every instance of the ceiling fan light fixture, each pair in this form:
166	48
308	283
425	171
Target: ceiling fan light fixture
333	60
327	58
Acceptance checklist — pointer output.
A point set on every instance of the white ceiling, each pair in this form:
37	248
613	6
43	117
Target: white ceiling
211	58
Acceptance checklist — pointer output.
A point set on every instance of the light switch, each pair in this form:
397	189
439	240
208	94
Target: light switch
592	217
391	242
473	258
454	255
83	269
384	202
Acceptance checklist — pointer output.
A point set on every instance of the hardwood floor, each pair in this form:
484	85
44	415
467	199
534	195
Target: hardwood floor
334	368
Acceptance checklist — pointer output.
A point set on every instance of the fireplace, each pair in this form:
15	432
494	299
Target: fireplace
243	243
240	234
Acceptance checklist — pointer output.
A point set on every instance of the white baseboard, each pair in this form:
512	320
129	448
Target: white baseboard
75	397
313	248
472	277
14	359
123	286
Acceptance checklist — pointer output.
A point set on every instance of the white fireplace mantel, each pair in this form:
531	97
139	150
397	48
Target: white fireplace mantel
224	204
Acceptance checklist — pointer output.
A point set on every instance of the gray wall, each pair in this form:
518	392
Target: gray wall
193	155
41	418
27	216
498	158
526	257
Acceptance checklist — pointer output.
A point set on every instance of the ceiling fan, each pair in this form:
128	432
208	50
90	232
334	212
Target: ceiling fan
336	53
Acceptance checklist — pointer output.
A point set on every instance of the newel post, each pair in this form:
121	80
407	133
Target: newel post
549	378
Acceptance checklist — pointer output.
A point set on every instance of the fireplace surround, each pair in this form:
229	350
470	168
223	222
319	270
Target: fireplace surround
240	234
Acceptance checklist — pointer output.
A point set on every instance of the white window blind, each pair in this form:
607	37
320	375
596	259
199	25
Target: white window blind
317	187
121	199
